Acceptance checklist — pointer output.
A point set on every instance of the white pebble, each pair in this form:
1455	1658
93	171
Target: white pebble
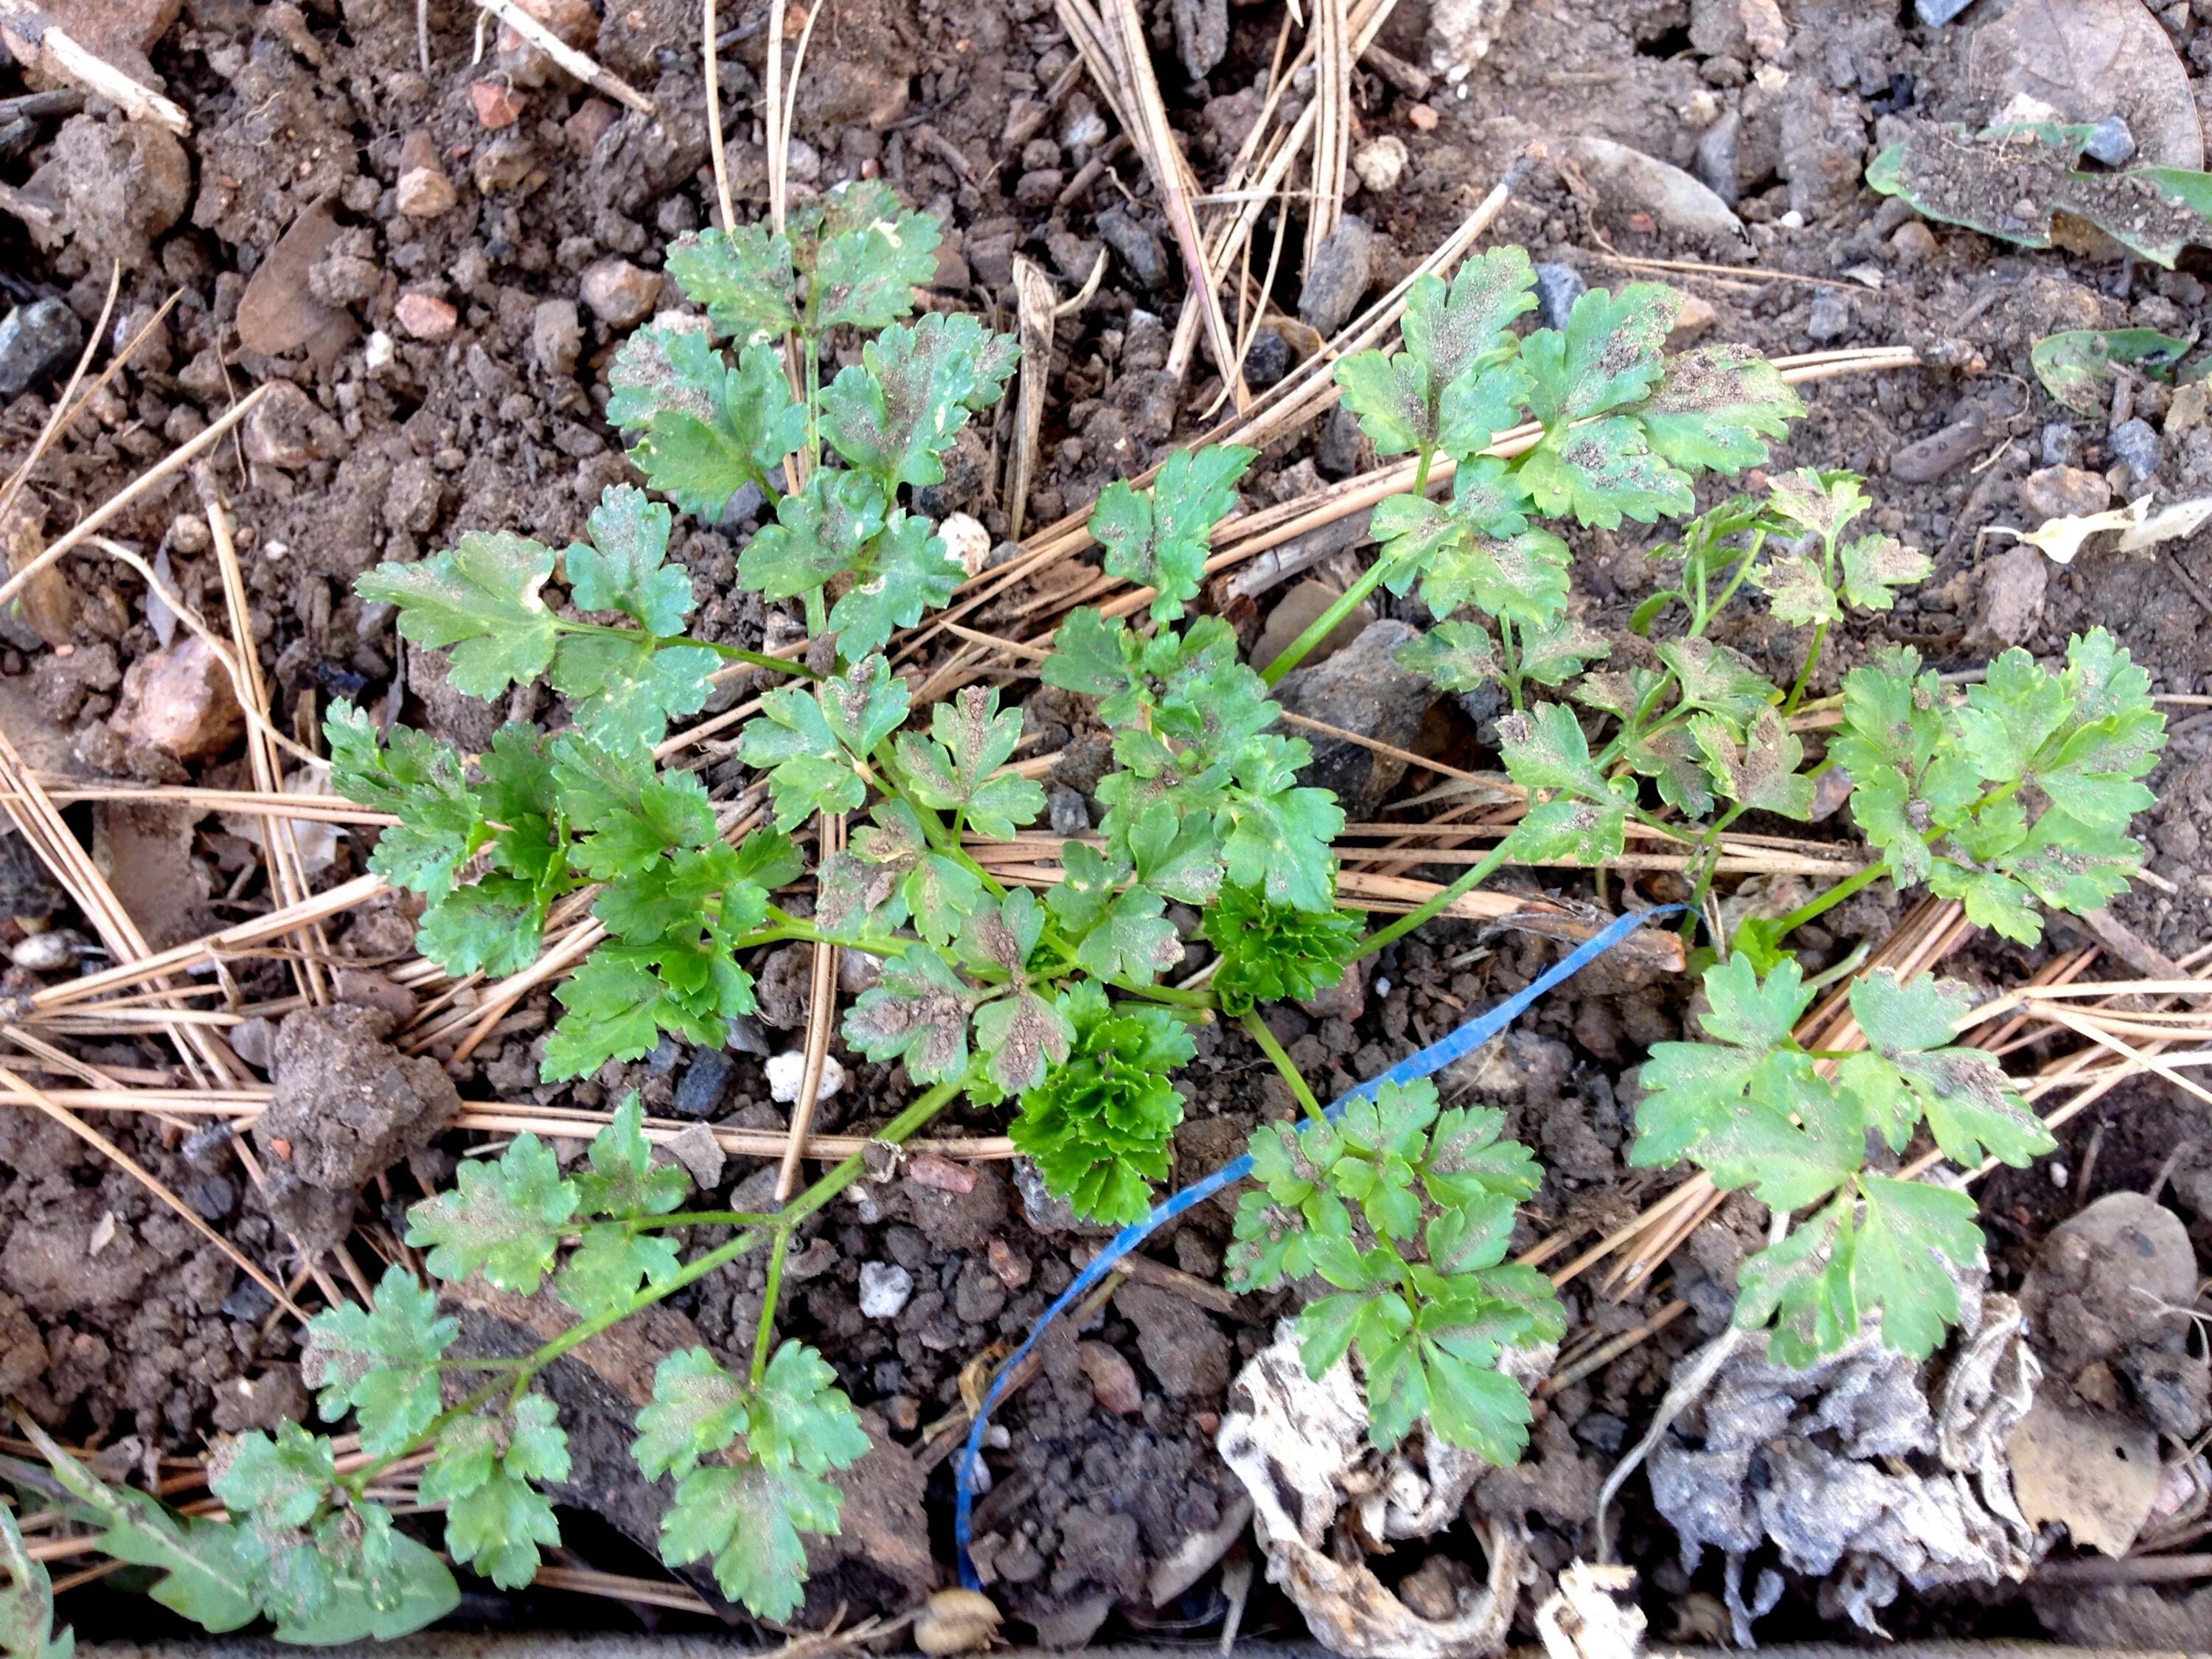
1381	165
787	1070
1382	987
966	541
46	953
884	1288
378	353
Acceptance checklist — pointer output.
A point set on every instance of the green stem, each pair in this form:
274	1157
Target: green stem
1181	998
1257	1029
1805	674
1325	624
1475	876
777	1250
701	1219
728	653
1827	901
818	615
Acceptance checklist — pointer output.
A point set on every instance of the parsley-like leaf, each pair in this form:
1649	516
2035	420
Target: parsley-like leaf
481	599
503	1220
1158	539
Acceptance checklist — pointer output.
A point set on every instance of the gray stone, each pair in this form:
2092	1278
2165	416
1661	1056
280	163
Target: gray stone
1557	288
699	1092
1267	361
213	1197
1718	148
1184	1349
884	1288
698	1154
1936	13
1337	279
1831	316
2136	443
2013	585
1138	248
1201	28
2060	444
1360	689
747	1037
1066	811
1343	445
36	340
2110	142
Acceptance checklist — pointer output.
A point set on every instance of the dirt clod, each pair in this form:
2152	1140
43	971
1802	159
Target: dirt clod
180	702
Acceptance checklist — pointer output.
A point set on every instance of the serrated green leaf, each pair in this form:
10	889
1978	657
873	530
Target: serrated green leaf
495	926
1876	567
870	258
747	1519
1274	952
1020	1037
917	1013
970	739
1453	656
27	1601
1475	409
623	1181
1792	1139
1276	836
819	533
283	1481
1804	1285
706	429
1714	408
800	1418
1908	1226
743	277
1602	470
906	572
1554	651
380	1362
624	567
698	1409
503	1220
1099	1126
1579	831
480	600
624	687
1608	358
1715	679
808	739
1545	749
603	1272
1390	396
1763	777
1160	539
1795	590
1452	330
495	1520
421	781
898	409
1821	502
1476	1408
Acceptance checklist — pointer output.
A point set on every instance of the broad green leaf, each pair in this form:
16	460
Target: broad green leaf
1910	1228
1019	1037
623	1181
748	1520
698	1408
1875	567
1160	540
1476	1408
918	1012
283	1480
480	599
898	409
624	567
1552	653
2010	715
706	429
603	1272
1804	1285
1390	396
1714	408
1452	330
1475	409
1792	1139
870	258
971	738
503	1220
1579	831
1608	358
624	687
1602	470
906	572
808	739
742	277
1276	837
1715	679
1749	1012
1795	590
800	1418
819	531
1763	776
2075	365
1821	502
1545	749
380	1362
1454	656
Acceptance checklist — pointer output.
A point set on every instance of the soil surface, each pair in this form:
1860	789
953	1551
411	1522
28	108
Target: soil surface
433	268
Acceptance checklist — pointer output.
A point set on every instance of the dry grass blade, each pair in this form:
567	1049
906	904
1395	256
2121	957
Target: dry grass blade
1034	306
1333	99
614	1586
710	59
821	1021
61	53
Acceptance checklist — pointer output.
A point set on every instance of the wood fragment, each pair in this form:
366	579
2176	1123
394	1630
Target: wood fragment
567	57
1035	302
35	37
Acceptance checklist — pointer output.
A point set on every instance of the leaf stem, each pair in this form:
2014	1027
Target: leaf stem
1435	905
1257	1029
776	1250
1325	624
1805	674
1827	901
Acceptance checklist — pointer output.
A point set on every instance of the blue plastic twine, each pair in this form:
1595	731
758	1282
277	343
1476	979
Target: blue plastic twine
1463	1039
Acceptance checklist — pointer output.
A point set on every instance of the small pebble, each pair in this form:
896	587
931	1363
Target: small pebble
426	317
1695	317
1421	118
1267	361
1068	815
700	1091
496	105
1830	318
787	1070
884	1288
35	340
939	1174
1338	275
967	540
556	336
1380	163
2062	492
247	1301
2060	444
1008	1265
956	1620
2110	142
1557	288
619	292
2136	443
1912	242
1113	1380
746	1036
213	1197
699	1154
46	953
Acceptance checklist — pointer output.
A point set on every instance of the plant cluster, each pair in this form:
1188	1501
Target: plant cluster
1058	1004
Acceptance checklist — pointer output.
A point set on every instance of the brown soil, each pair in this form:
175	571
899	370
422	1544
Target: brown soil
120	1326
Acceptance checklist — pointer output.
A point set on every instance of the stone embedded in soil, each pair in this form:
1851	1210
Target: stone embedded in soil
36	341
2134	442
426	317
700	1091
496	105
1695	317
345	1104
966	540
1628	182
2013	588
1913	242
953	1218
1360	689
1345	999
698	1154
1829	316
1267	360
1719	147
1338	275
425	192
1380	163
364	988
253	1040
1138	248
287	431
46	953
941	1175
2103	1278
786	1075
885	1288
1183	1347
115	186
1557	288
556	336
1112	1379
1930	457
1066	813
1011	1266
178	700
2062	492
